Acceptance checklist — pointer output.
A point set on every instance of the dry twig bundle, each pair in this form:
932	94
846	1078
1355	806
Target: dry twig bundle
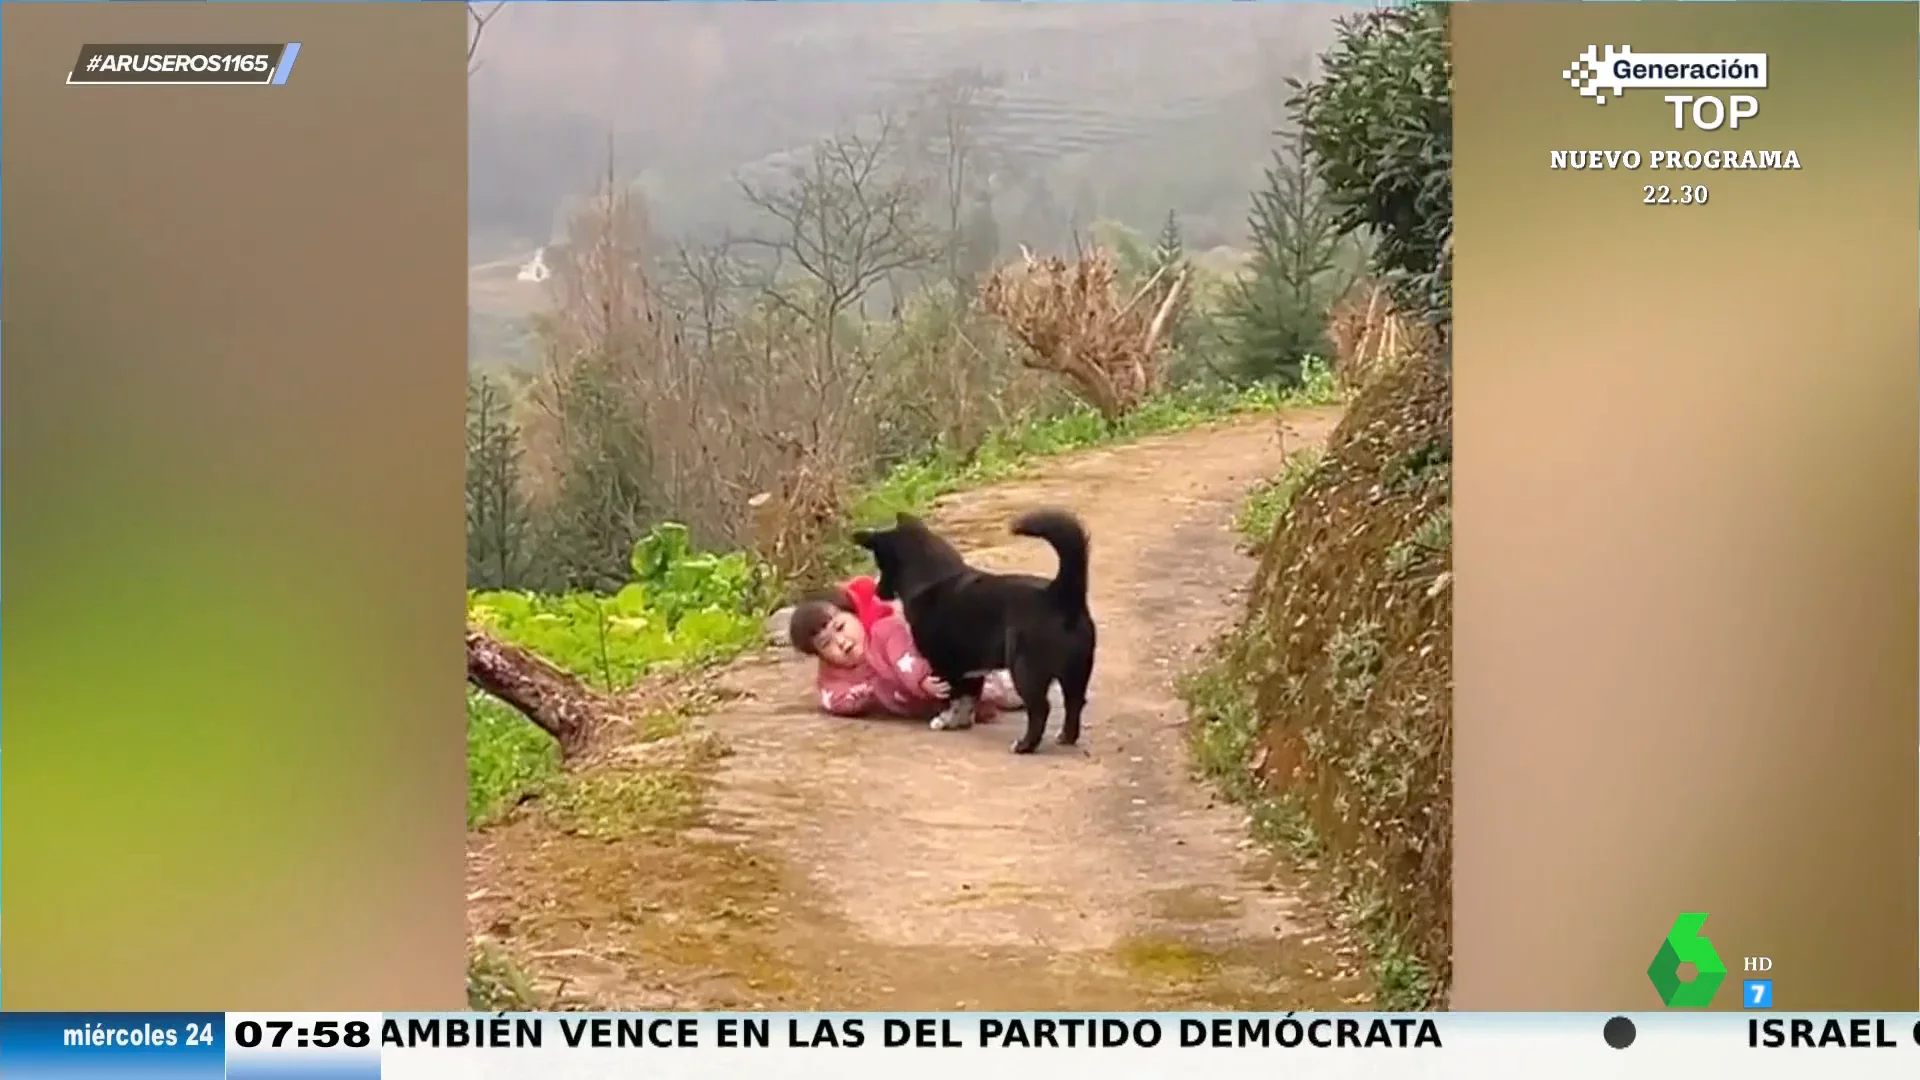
793	524
1073	321
1369	338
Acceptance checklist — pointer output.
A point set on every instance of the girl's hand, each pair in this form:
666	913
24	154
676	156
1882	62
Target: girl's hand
935	688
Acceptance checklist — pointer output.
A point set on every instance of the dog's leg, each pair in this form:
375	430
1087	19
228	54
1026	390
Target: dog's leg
1000	691
957	717
1031	681
966	701
1073	689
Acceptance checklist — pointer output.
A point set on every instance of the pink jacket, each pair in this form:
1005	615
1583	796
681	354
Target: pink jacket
889	679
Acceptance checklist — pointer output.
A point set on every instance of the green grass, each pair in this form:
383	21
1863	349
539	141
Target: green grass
507	758
1226	733
914	485
496	984
1267	503
661	792
687	607
1225	744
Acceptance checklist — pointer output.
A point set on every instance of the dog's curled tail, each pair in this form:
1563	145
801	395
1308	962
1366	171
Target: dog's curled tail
1069	541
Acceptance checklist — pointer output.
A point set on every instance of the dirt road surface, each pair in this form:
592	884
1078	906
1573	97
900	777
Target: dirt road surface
856	864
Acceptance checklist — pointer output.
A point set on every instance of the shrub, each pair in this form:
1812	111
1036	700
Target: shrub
1379	124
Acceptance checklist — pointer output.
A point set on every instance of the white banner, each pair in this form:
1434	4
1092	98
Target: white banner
1756	1045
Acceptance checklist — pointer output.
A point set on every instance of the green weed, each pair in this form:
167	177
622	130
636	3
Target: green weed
1225	743
1402	982
1354	658
1267	503
683	608
507	758
495	983
1434	535
613	804
914	485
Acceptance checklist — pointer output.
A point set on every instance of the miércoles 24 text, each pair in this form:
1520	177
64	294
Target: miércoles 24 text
1707	160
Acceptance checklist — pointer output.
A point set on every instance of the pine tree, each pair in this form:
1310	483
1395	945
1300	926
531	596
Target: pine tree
1277	316
1169	251
498	521
1186	335
602	502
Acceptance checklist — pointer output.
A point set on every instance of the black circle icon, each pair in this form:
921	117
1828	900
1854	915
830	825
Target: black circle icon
1618	1033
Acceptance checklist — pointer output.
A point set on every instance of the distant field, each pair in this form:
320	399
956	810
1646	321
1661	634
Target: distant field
497	308
496	289
1126	110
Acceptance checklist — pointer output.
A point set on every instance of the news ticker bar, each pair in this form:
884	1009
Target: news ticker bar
1015	1046
184	65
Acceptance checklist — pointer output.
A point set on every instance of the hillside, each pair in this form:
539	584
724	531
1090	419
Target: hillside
1120	111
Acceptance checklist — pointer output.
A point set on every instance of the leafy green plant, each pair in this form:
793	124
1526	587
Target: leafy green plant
685	607
677	581
1379	124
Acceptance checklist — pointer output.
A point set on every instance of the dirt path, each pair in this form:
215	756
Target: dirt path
867	864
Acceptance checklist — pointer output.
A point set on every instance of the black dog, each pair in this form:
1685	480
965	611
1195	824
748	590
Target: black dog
967	622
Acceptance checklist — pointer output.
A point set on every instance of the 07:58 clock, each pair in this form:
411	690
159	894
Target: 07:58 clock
323	1034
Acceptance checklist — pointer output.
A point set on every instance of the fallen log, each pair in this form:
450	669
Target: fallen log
556	702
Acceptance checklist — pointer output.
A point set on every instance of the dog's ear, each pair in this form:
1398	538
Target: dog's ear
864	538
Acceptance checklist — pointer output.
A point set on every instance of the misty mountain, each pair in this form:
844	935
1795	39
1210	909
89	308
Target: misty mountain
1122	111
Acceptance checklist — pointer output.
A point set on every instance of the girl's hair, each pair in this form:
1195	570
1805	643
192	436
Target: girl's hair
812	615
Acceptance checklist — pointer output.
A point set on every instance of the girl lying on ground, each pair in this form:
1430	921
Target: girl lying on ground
867	663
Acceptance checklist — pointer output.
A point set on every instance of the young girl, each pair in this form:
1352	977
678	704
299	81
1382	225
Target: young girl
868	664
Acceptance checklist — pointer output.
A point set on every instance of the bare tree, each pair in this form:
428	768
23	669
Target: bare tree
633	409
609	345
704	284
951	125
842	222
478	16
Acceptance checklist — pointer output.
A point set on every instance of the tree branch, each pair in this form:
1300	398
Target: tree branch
478	16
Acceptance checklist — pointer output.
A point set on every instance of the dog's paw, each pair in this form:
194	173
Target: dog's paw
959	716
1025	746
951	720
